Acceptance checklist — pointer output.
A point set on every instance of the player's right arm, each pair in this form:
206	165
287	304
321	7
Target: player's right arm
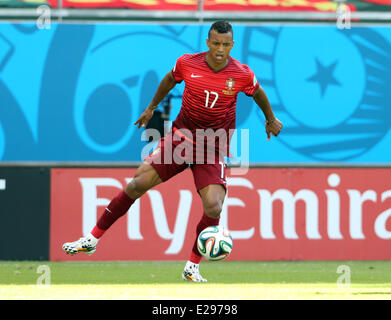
164	88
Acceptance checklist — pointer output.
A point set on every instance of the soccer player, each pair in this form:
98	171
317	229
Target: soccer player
213	80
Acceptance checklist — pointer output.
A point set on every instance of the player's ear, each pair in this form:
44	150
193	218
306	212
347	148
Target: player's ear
208	43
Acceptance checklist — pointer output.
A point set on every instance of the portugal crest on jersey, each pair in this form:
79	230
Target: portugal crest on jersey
229	86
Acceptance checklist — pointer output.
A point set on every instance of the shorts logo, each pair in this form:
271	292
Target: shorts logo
230	86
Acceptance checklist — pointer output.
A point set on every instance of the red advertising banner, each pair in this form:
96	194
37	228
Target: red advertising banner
210	5
272	214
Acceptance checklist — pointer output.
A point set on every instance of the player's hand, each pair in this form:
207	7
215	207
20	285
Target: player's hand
144	118
273	127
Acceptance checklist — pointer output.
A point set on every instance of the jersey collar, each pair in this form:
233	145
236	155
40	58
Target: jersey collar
214	70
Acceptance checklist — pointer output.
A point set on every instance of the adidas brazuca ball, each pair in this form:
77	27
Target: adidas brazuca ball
214	243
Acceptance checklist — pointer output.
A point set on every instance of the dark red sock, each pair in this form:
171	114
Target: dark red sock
116	209
205	222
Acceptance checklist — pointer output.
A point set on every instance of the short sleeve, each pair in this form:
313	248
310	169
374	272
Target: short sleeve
177	71
252	84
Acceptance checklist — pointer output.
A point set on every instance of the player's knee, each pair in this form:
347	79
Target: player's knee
213	209
135	188
144	179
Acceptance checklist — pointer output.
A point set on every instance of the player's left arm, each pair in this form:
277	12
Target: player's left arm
273	126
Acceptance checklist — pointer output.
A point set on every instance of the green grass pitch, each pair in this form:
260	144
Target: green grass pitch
226	280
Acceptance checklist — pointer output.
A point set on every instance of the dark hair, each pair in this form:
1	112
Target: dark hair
221	27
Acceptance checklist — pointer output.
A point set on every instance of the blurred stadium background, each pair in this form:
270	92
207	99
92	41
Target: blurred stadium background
75	75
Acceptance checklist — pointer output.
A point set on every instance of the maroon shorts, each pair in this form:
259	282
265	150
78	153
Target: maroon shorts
168	162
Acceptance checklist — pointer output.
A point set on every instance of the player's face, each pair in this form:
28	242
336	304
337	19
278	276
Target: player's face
220	45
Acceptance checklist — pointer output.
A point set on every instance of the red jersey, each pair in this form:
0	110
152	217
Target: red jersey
209	98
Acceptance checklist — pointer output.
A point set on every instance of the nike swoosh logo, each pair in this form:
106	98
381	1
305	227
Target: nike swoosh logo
195	76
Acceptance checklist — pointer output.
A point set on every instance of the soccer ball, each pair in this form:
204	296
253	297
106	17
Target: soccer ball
214	243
